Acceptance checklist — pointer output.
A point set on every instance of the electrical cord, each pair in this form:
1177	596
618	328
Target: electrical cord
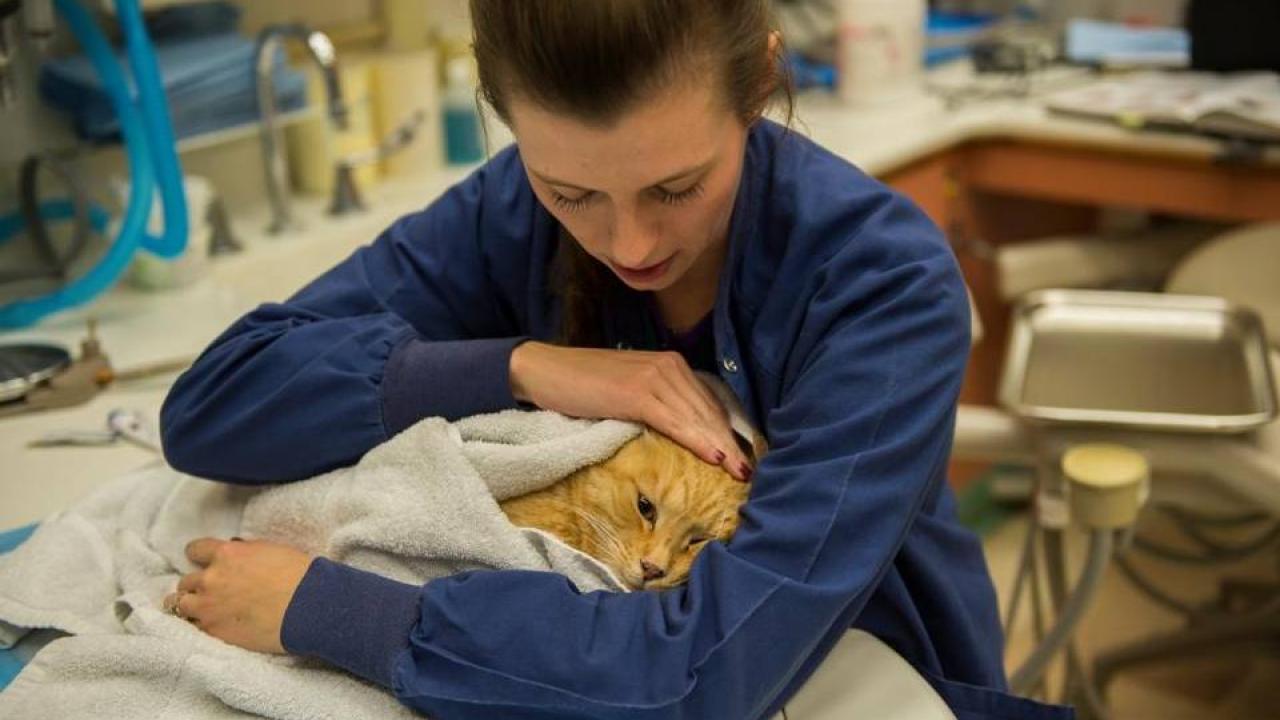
1150	590
1212	520
1213	552
56	265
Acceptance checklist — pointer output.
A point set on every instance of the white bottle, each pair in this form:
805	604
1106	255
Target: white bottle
879	50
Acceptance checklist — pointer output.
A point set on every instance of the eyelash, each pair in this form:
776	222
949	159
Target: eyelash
570	205
680	198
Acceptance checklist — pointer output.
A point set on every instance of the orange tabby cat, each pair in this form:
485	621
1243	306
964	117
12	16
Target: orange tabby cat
646	512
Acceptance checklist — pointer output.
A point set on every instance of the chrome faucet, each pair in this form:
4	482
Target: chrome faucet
8	46
320	47
37	25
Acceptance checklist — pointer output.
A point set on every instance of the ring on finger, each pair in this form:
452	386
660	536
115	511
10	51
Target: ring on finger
174	606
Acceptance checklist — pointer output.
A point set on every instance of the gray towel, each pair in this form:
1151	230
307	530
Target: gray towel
420	506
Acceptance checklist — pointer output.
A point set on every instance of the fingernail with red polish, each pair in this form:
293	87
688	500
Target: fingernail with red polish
720	456
745	471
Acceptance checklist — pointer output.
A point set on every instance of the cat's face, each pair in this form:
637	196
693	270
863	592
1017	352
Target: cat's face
655	506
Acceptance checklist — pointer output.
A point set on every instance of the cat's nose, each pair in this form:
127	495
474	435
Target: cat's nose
651	571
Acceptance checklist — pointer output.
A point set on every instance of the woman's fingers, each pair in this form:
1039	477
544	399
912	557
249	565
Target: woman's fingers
713	416
688	385
202	550
656	388
190	582
243	593
690	435
183	605
681	414
685	402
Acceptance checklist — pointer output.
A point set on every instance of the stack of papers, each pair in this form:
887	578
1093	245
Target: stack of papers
1244	105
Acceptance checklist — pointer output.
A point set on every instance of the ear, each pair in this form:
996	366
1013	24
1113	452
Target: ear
775	50
775	45
755	448
650	438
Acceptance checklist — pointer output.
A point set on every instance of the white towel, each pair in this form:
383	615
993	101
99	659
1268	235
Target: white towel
420	506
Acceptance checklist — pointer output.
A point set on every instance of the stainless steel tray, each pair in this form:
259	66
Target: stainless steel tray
22	367
1138	360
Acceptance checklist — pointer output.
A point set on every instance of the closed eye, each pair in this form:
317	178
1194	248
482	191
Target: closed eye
572	204
679	198
695	541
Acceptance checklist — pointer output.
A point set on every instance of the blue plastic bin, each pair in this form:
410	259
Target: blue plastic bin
11	662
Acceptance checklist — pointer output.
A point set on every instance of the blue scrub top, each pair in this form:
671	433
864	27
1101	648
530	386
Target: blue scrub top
841	323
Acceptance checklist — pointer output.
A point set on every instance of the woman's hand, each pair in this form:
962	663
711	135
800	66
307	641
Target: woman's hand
242	592
654	388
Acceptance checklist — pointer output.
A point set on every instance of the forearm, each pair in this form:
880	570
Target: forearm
282	396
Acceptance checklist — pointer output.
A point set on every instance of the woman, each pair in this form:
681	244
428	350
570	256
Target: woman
647	205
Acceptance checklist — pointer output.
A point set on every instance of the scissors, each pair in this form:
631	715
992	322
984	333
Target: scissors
122	424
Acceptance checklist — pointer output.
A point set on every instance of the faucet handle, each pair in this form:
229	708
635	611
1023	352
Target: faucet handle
346	196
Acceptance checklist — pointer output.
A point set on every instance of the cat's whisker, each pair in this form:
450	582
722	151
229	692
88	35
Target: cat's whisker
606	534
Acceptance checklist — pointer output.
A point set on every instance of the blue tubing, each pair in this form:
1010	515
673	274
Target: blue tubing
155	116
133	228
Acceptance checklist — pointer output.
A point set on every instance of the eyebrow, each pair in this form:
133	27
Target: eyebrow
670	179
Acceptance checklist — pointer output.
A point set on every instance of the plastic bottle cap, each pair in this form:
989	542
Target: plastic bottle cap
457	72
1108	483
1104	465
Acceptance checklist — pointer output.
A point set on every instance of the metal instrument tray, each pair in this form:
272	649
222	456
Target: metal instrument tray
1138	360
22	367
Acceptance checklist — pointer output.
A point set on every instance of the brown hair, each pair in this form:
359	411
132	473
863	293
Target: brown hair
597	59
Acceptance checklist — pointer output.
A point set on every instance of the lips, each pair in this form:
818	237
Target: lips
645	274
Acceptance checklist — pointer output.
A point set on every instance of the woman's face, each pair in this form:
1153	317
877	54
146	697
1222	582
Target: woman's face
647	195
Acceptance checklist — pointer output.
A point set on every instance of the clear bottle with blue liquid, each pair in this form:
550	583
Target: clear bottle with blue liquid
463	139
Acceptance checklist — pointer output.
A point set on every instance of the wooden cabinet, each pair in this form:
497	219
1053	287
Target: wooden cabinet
987	193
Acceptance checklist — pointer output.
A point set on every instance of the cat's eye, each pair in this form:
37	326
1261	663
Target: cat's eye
646	508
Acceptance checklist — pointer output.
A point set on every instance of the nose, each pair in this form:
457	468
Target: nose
651	571
634	245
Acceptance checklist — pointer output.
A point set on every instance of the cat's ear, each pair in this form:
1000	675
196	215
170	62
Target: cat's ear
651	438
755	448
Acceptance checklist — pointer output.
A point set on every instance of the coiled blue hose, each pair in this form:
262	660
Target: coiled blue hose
139	127
155	117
